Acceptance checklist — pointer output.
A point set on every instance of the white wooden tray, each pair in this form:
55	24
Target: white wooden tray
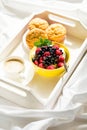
42	92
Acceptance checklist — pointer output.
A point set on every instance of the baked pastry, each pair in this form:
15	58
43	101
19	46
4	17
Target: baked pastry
34	35
38	23
56	32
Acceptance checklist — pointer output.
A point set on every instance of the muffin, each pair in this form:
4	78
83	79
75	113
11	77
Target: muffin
34	35
38	23
56	32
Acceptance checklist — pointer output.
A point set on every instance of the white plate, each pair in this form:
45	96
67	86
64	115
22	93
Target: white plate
24	44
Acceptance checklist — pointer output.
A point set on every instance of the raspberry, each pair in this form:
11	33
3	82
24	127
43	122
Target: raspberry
41	60
50	67
44	57
58	52
56	46
60	64
38	50
47	53
41	65
36	62
61	58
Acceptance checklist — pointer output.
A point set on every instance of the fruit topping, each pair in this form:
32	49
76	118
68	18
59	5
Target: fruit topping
38	50
60	64
56	46
49	57
47	53
58	52
61	58
50	67
41	65
36	62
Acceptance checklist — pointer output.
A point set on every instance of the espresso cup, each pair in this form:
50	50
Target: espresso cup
18	69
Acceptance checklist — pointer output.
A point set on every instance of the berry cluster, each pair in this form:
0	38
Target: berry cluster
49	57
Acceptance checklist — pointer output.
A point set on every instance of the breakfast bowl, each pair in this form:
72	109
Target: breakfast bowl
57	67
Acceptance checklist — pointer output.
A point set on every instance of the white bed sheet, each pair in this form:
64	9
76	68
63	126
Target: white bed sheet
70	112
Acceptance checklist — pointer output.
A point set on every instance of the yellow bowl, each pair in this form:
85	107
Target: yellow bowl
47	72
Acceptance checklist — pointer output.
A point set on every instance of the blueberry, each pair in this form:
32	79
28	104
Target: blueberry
61	51
56	60
49	57
57	56
33	59
42	52
52	51
43	48
49	48
54	55
38	57
52	59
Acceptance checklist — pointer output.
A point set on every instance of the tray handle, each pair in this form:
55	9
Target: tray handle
61	20
22	96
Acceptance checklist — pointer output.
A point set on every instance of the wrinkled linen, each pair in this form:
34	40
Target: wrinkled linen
70	110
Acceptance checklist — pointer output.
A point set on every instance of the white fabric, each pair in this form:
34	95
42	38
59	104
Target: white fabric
70	112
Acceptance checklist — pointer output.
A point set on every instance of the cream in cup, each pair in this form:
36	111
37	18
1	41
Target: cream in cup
14	67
